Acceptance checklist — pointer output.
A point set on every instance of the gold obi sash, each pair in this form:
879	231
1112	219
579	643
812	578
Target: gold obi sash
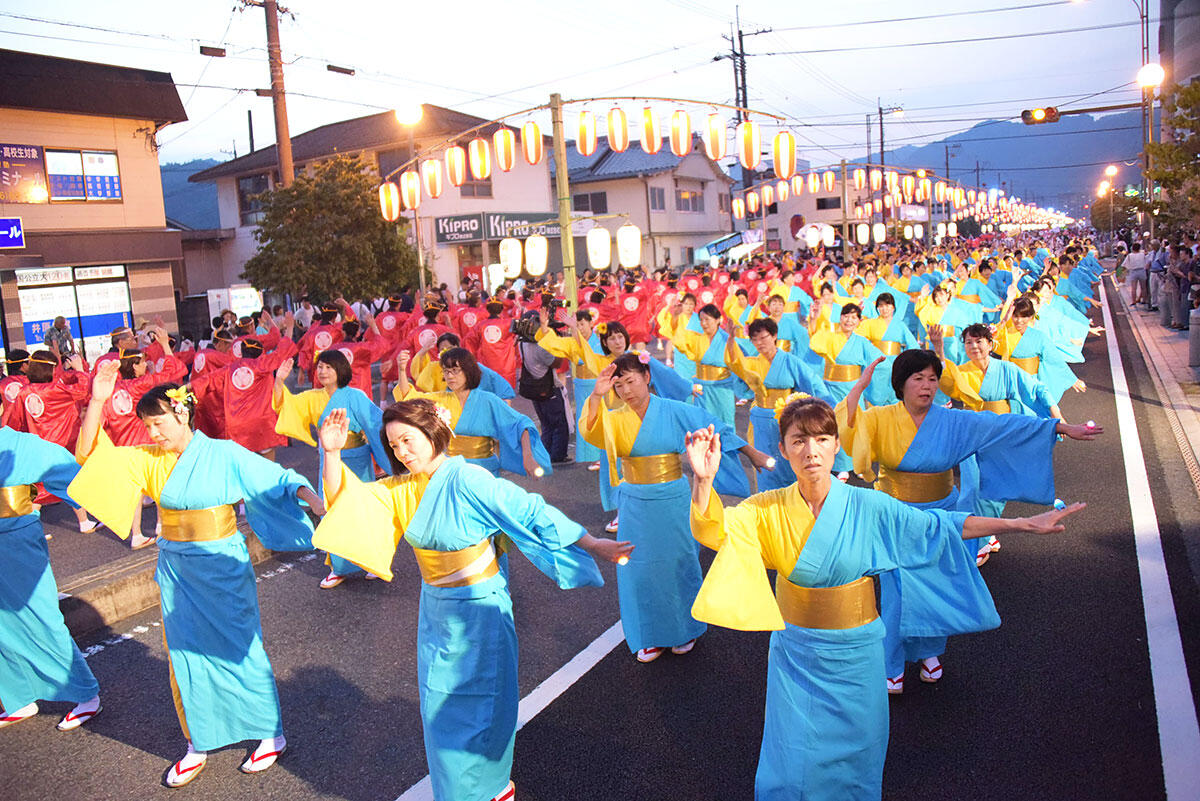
844	607
1029	364
915	487
889	347
769	397
999	407
458	568
708	372
971	298
355	439
17	501
657	469
198	525
842	372
471	447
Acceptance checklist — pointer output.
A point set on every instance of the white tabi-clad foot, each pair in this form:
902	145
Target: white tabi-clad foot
17	715
265	755
186	769
81	714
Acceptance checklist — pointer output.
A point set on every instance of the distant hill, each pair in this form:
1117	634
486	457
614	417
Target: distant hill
1035	162
194	205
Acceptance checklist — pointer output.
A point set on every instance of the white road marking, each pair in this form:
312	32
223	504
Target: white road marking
1178	731
544	694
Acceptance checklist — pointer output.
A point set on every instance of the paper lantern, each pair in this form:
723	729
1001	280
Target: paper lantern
784	152
629	246
752	203
495	274
456	165
389	201
739	208
537	254
878	204
531	143
829	179
681	133
908	232
860	180
952	229
651	139
941	229
782	191
618	130
909	184
862	232
599	248
879	232
479	156
510	257
920	173
410	189
714	137
971	196
891	180
876	180
812	237
919	231
749	143
768	195
939	192
431	177
585	140
887	201
828	236
504	142
925	187
798	185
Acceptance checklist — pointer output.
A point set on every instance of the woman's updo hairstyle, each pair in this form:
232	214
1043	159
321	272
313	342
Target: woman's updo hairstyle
158	402
421	414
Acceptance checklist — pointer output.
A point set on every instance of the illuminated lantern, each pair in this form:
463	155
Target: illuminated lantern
651	140
504	142
887	201
456	165
879	232
531	143
782	191
618	130
752	202
599	248
495	274
828	236
768	195
939	192
480	157
798	185
941	230
860	180
876	180
738	207
829	178
858	210
908	232
510	257
910	184
952	229
812	237
814	183
537	254
681	133
410	189
714	137
920	173
749	142
926	188
878	204
919	231
585	141
629	246
862	232
784	151
431	176
389	201
891	179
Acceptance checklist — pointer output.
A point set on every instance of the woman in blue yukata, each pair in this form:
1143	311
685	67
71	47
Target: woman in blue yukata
449	512
826	729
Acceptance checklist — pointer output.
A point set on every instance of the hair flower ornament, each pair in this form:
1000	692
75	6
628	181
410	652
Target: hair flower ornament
782	403
443	414
643	357
602	329
180	397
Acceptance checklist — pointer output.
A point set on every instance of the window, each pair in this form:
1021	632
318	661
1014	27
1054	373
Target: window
474	188
83	175
658	198
595	202
826	203
689	200
723	202
249	187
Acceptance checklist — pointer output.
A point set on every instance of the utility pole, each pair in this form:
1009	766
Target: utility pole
977	178
563	190
283	140
737	54
250	127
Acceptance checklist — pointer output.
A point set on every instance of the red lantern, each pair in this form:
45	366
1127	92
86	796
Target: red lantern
798	185
814	183
739	208
782	191
456	165
829	178
752	200
860	179
618	130
531	143
431	175
504	142
784	153
768	195
681	133
389	201
410	189
585	142
714	137
749	141
651	139
480	157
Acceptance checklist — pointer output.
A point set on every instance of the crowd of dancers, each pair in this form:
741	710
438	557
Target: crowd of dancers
935	376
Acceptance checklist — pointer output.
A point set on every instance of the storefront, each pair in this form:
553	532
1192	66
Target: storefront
467	243
94	301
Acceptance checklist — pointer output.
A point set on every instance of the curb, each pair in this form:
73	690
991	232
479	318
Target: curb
97	598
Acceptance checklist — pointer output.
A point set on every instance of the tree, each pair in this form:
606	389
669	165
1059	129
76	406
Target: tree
1176	160
324	236
1123	213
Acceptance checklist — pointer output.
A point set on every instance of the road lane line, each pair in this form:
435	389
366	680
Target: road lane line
1178	731
544	694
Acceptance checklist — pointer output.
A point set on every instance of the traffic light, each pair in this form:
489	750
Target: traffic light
1037	116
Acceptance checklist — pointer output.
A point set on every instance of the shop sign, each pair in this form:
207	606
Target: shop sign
22	175
43	276
458	228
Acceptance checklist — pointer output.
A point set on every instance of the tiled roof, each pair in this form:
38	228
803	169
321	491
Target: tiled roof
606	164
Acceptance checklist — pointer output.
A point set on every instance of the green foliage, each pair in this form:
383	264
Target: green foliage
1176	161
325	236
1123	212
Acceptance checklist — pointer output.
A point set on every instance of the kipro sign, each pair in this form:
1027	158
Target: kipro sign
461	228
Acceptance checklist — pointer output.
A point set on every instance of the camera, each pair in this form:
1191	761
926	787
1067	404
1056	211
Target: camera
526	328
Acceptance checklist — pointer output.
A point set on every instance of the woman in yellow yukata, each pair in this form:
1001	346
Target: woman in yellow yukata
826	729
448	510
221	679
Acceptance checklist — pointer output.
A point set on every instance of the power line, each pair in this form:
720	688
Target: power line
924	17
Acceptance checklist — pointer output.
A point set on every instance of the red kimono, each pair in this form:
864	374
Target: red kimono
390	323
10	388
634	310
495	346
316	339
466	318
51	410
236	399
361	356
121	422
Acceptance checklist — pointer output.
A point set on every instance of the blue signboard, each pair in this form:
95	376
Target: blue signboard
12	233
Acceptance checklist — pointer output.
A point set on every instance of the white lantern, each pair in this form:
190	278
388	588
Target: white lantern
812	237
879	232
828	178
952	229
537	254
456	165
797	185
431	175
828	237
908	232
738	207
479	154
495	275
768	195
782	191
389	201
510	257
410	189
504	142
919	231
863	233
531	143
599	248
629	246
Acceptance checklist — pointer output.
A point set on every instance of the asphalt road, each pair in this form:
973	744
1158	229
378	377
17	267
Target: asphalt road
1055	704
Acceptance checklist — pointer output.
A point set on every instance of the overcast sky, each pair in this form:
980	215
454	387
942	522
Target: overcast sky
495	58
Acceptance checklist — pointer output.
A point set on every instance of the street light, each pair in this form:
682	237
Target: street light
409	115
1110	170
1151	76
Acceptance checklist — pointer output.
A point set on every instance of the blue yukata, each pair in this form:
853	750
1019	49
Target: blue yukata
975	291
825	733
466	640
223	683
717	384
793	337
656	588
38	659
845	358
301	416
484	416
1034	353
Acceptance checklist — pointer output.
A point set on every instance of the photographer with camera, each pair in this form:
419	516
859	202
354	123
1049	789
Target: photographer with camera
540	385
